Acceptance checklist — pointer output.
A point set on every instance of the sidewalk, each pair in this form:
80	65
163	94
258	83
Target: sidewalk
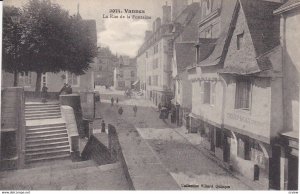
194	139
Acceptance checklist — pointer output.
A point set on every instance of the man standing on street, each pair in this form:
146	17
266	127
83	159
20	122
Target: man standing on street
103	127
112	101
134	110
120	111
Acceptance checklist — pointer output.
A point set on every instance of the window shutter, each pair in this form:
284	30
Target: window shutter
201	92
213	94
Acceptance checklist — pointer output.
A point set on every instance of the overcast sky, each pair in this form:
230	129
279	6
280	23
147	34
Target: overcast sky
123	36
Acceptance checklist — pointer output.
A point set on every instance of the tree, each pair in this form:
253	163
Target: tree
12	32
54	41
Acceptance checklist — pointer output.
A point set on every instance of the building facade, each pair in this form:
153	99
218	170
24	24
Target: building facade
289	138
125	73
237	87
104	69
154	60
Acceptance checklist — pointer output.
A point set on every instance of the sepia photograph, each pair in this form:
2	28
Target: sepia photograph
149	95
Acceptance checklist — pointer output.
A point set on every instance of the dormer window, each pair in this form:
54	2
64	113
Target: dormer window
239	41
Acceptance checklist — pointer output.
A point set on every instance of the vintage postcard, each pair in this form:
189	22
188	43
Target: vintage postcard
150	95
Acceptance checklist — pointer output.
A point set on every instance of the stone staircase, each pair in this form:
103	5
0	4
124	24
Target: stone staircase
46	133
39	111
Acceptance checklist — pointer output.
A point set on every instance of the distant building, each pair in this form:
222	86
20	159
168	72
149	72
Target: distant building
154	59
104	69
290	44
184	56
125	73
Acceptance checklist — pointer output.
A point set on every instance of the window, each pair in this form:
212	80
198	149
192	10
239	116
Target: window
198	54
206	99
219	138
121	74
242	94
208	93
25	78
208	32
72	79
155	63
100	68
155	80
213	93
132	73
155	49
44	79
239	41
149	80
208	7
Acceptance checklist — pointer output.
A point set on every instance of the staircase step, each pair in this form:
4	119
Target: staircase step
45	129
47	144
41	109
41	105
49	140
46	153
44	117
45	132
45	149
42	136
41	112
45	126
62	156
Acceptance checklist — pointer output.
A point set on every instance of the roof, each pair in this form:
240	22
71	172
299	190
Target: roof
187	14
260	65
263	27
185	55
264	31
289	5
262	24
206	46
226	16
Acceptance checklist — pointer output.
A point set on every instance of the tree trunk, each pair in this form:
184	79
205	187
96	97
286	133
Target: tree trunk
15	78
38	83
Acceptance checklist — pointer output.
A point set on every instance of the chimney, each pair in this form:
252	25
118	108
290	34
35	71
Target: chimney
177	7
166	14
157	23
147	34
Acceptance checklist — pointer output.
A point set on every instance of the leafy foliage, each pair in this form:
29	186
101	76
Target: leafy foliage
48	40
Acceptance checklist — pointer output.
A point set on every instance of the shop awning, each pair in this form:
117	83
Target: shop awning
136	82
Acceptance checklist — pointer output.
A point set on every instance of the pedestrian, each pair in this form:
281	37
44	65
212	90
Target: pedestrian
44	93
134	110
117	101
112	101
69	89
159	106
102	126
120	111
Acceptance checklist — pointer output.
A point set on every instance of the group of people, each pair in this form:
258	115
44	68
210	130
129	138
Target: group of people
66	89
120	109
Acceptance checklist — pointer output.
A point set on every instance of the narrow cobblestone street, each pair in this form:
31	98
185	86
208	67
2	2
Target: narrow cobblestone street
189	167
